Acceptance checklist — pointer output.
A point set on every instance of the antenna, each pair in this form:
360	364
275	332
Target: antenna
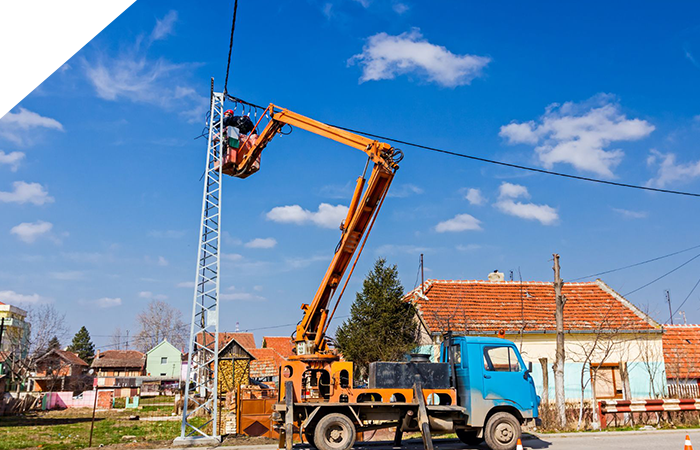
422	277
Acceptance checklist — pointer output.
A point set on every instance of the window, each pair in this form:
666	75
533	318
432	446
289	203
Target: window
500	359
163	374
164	360
456	355
608	382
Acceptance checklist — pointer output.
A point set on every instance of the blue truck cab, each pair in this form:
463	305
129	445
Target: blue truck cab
495	388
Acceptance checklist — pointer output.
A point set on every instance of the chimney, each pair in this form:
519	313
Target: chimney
97	355
497	276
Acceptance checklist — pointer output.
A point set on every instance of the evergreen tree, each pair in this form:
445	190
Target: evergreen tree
83	346
54	343
381	326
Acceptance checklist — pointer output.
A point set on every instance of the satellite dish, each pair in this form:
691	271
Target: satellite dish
91	371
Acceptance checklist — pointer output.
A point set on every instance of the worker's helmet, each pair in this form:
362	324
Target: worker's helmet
228	112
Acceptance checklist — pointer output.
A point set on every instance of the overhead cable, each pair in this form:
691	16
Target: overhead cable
230	45
662	276
636	264
686	298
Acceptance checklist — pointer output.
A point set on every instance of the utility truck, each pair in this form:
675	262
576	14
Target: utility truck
480	389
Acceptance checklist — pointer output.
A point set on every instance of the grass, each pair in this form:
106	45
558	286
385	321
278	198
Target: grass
70	429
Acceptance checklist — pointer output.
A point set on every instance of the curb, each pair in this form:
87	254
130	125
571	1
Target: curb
607	433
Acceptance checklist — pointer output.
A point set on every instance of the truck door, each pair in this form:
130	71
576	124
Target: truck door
503	374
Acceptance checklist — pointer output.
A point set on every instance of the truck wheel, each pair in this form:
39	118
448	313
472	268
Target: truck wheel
502	431
309	436
334	432
469	437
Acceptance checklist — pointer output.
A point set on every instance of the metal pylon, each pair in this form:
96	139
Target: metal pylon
203	360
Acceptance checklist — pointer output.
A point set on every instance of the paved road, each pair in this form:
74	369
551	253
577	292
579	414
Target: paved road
635	440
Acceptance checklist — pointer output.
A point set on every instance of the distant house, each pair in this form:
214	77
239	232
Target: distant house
15	336
164	360
61	370
120	369
282	345
595	316
682	355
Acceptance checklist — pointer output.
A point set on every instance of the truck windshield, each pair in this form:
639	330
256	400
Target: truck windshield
500	359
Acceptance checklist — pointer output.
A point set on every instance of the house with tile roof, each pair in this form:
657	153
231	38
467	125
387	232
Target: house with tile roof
60	370
282	344
120	369
629	364
682	354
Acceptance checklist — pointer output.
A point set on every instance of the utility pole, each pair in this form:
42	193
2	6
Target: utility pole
560	355
668	299
2	330
127	340
422	278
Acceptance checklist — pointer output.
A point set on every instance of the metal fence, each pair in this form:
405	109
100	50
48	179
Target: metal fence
683	391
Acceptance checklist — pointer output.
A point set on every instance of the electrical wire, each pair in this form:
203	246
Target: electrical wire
230	45
636	264
493	161
686	298
662	276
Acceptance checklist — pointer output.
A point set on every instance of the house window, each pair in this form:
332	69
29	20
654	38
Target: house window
163	374
164	360
608	382
500	359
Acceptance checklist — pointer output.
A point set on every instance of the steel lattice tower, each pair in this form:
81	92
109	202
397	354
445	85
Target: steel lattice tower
203	360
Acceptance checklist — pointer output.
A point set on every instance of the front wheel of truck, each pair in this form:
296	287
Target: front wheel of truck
502	431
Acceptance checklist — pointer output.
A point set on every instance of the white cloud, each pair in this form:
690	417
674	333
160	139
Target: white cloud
327	216
405	190
468	247
669	171
261	243
384	57
185	284
23	192
164	26
629	214
151	296
474	197
241	296
20	127
162	261
14	298
300	263
579	134
507	192
394	249
30	232
11	159
108	302
400	8
14	48
231	256
460	222
71	275
166	234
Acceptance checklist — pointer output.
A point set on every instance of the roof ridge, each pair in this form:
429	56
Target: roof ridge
539	283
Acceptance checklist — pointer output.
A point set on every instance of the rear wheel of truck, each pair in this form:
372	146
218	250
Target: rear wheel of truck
334	432
502	431
469	437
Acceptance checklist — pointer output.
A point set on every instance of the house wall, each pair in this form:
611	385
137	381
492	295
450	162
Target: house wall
171	368
16	330
643	354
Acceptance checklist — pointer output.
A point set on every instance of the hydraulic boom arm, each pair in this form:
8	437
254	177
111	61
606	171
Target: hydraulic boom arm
310	332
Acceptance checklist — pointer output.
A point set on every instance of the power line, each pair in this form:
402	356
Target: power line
687	297
230	45
493	161
662	276
636	264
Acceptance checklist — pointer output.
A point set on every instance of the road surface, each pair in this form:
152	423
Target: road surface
630	440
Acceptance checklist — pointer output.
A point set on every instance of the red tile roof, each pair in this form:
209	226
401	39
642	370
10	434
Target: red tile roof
246	340
266	363
682	351
485	306
282	344
120	358
70	357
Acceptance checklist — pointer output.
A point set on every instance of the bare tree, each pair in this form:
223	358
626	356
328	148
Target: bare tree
558	365
46	323
157	322
116	341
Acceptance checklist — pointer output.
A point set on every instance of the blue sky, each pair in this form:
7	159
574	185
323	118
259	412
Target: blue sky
100	189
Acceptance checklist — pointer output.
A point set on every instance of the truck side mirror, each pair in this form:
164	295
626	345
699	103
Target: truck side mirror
528	370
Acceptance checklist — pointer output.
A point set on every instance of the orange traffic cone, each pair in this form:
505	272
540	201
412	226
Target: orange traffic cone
520	445
688	444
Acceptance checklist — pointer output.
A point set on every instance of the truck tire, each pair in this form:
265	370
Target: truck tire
334	432
309	436
502	431
469	437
